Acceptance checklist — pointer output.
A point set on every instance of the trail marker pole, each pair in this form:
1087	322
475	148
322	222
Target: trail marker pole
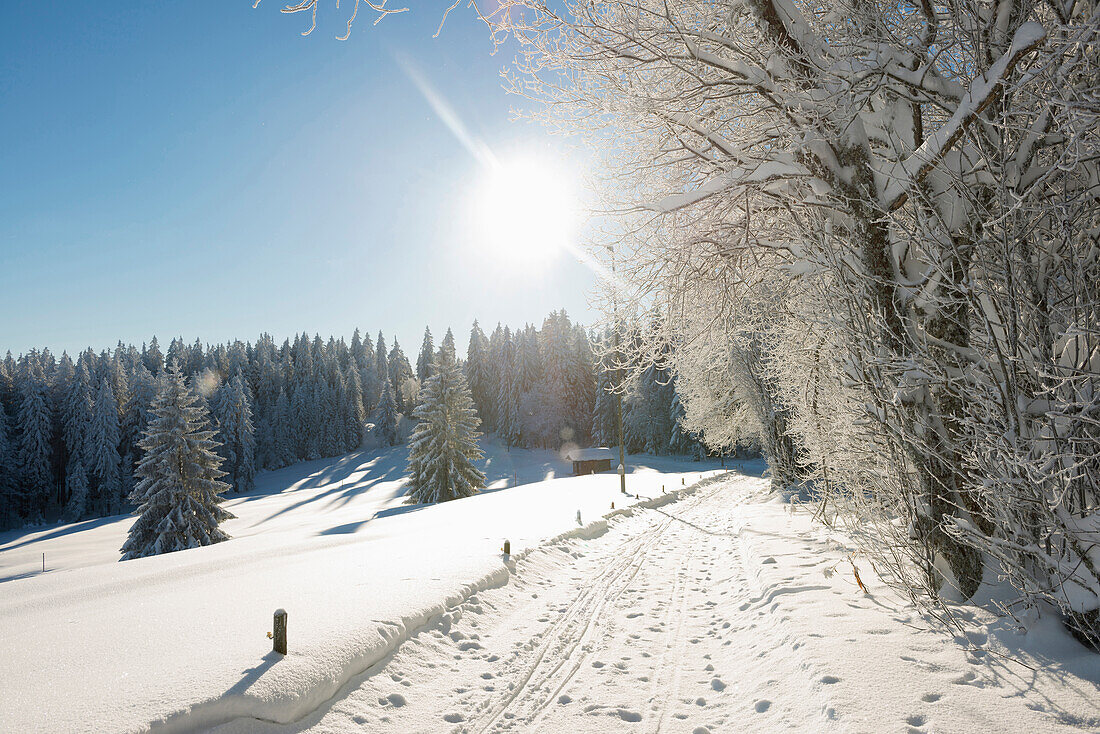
43	563
279	632
507	548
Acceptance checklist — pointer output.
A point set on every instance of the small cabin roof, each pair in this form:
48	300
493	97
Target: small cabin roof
589	454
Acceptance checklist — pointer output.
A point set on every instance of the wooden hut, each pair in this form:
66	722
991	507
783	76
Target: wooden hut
590	461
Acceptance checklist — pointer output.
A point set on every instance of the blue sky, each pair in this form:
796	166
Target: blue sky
200	169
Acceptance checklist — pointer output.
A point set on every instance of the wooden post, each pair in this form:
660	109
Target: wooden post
507	548
579	518
612	505
43	563
682	482
279	633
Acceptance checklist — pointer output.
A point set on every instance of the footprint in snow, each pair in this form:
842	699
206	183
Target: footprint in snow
931	697
829	679
966	679
700	730
915	720
453	718
717	684
564	699
394	699
762	705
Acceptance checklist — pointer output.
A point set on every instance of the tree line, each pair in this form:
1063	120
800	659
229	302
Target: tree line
71	429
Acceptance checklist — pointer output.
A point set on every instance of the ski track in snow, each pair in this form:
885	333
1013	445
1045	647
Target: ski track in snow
709	614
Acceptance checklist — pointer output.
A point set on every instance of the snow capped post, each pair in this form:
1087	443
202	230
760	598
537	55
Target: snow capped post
279	632
507	548
622	479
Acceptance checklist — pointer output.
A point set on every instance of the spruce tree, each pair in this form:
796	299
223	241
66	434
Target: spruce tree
355	417
7	473
381	368
35	435
333	423
178	478
478	376
443	448
152	358
508	398
235	430
447	348
76	412
101	449
387	415
76	487
282	427
426	357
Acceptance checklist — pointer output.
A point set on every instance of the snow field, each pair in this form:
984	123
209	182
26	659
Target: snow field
178	642
722	612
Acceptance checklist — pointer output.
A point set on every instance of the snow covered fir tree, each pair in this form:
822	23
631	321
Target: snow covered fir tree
443	450
179	480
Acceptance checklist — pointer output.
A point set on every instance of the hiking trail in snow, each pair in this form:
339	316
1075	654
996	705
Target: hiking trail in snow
714	613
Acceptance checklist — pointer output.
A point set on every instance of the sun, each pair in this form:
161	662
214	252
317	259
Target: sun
526	211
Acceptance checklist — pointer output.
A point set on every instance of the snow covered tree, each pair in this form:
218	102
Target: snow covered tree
508	397
137	411
76	487
479	376
35	436
386	418
179	480
354	418
233	413
8	492
443	449
333	417
76	412
381	368
447	348
101	449
400	373
282	427
426	357
152	358
912	172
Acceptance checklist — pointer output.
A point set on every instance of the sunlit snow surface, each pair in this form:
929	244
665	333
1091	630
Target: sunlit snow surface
713	608
98	645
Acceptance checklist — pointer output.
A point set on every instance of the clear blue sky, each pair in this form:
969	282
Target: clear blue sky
200	169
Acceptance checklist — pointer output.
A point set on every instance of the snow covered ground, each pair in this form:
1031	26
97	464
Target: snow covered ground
98	645
713	608
714	613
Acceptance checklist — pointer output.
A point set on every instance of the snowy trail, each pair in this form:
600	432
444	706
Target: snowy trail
710	614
